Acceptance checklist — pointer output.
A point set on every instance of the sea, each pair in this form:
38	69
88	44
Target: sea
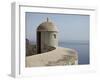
82	47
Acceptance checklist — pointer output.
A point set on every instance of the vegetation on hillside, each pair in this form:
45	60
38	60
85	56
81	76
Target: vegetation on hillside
30	48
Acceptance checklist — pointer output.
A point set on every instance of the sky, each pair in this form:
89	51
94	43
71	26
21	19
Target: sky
71	27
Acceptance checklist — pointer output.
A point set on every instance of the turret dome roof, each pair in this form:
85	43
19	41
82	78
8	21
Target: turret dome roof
47	26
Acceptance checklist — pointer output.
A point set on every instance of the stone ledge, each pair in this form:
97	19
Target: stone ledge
59	56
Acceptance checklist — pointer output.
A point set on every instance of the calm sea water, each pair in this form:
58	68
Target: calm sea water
82	49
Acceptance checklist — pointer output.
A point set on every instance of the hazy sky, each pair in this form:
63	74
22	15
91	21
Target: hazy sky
70	26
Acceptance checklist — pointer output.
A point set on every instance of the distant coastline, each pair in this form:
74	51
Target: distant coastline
74	42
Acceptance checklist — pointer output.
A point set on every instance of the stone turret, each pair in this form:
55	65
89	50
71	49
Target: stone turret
47	36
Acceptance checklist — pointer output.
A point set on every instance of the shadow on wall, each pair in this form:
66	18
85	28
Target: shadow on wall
31	49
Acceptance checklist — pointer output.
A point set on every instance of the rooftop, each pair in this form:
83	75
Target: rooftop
47	26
